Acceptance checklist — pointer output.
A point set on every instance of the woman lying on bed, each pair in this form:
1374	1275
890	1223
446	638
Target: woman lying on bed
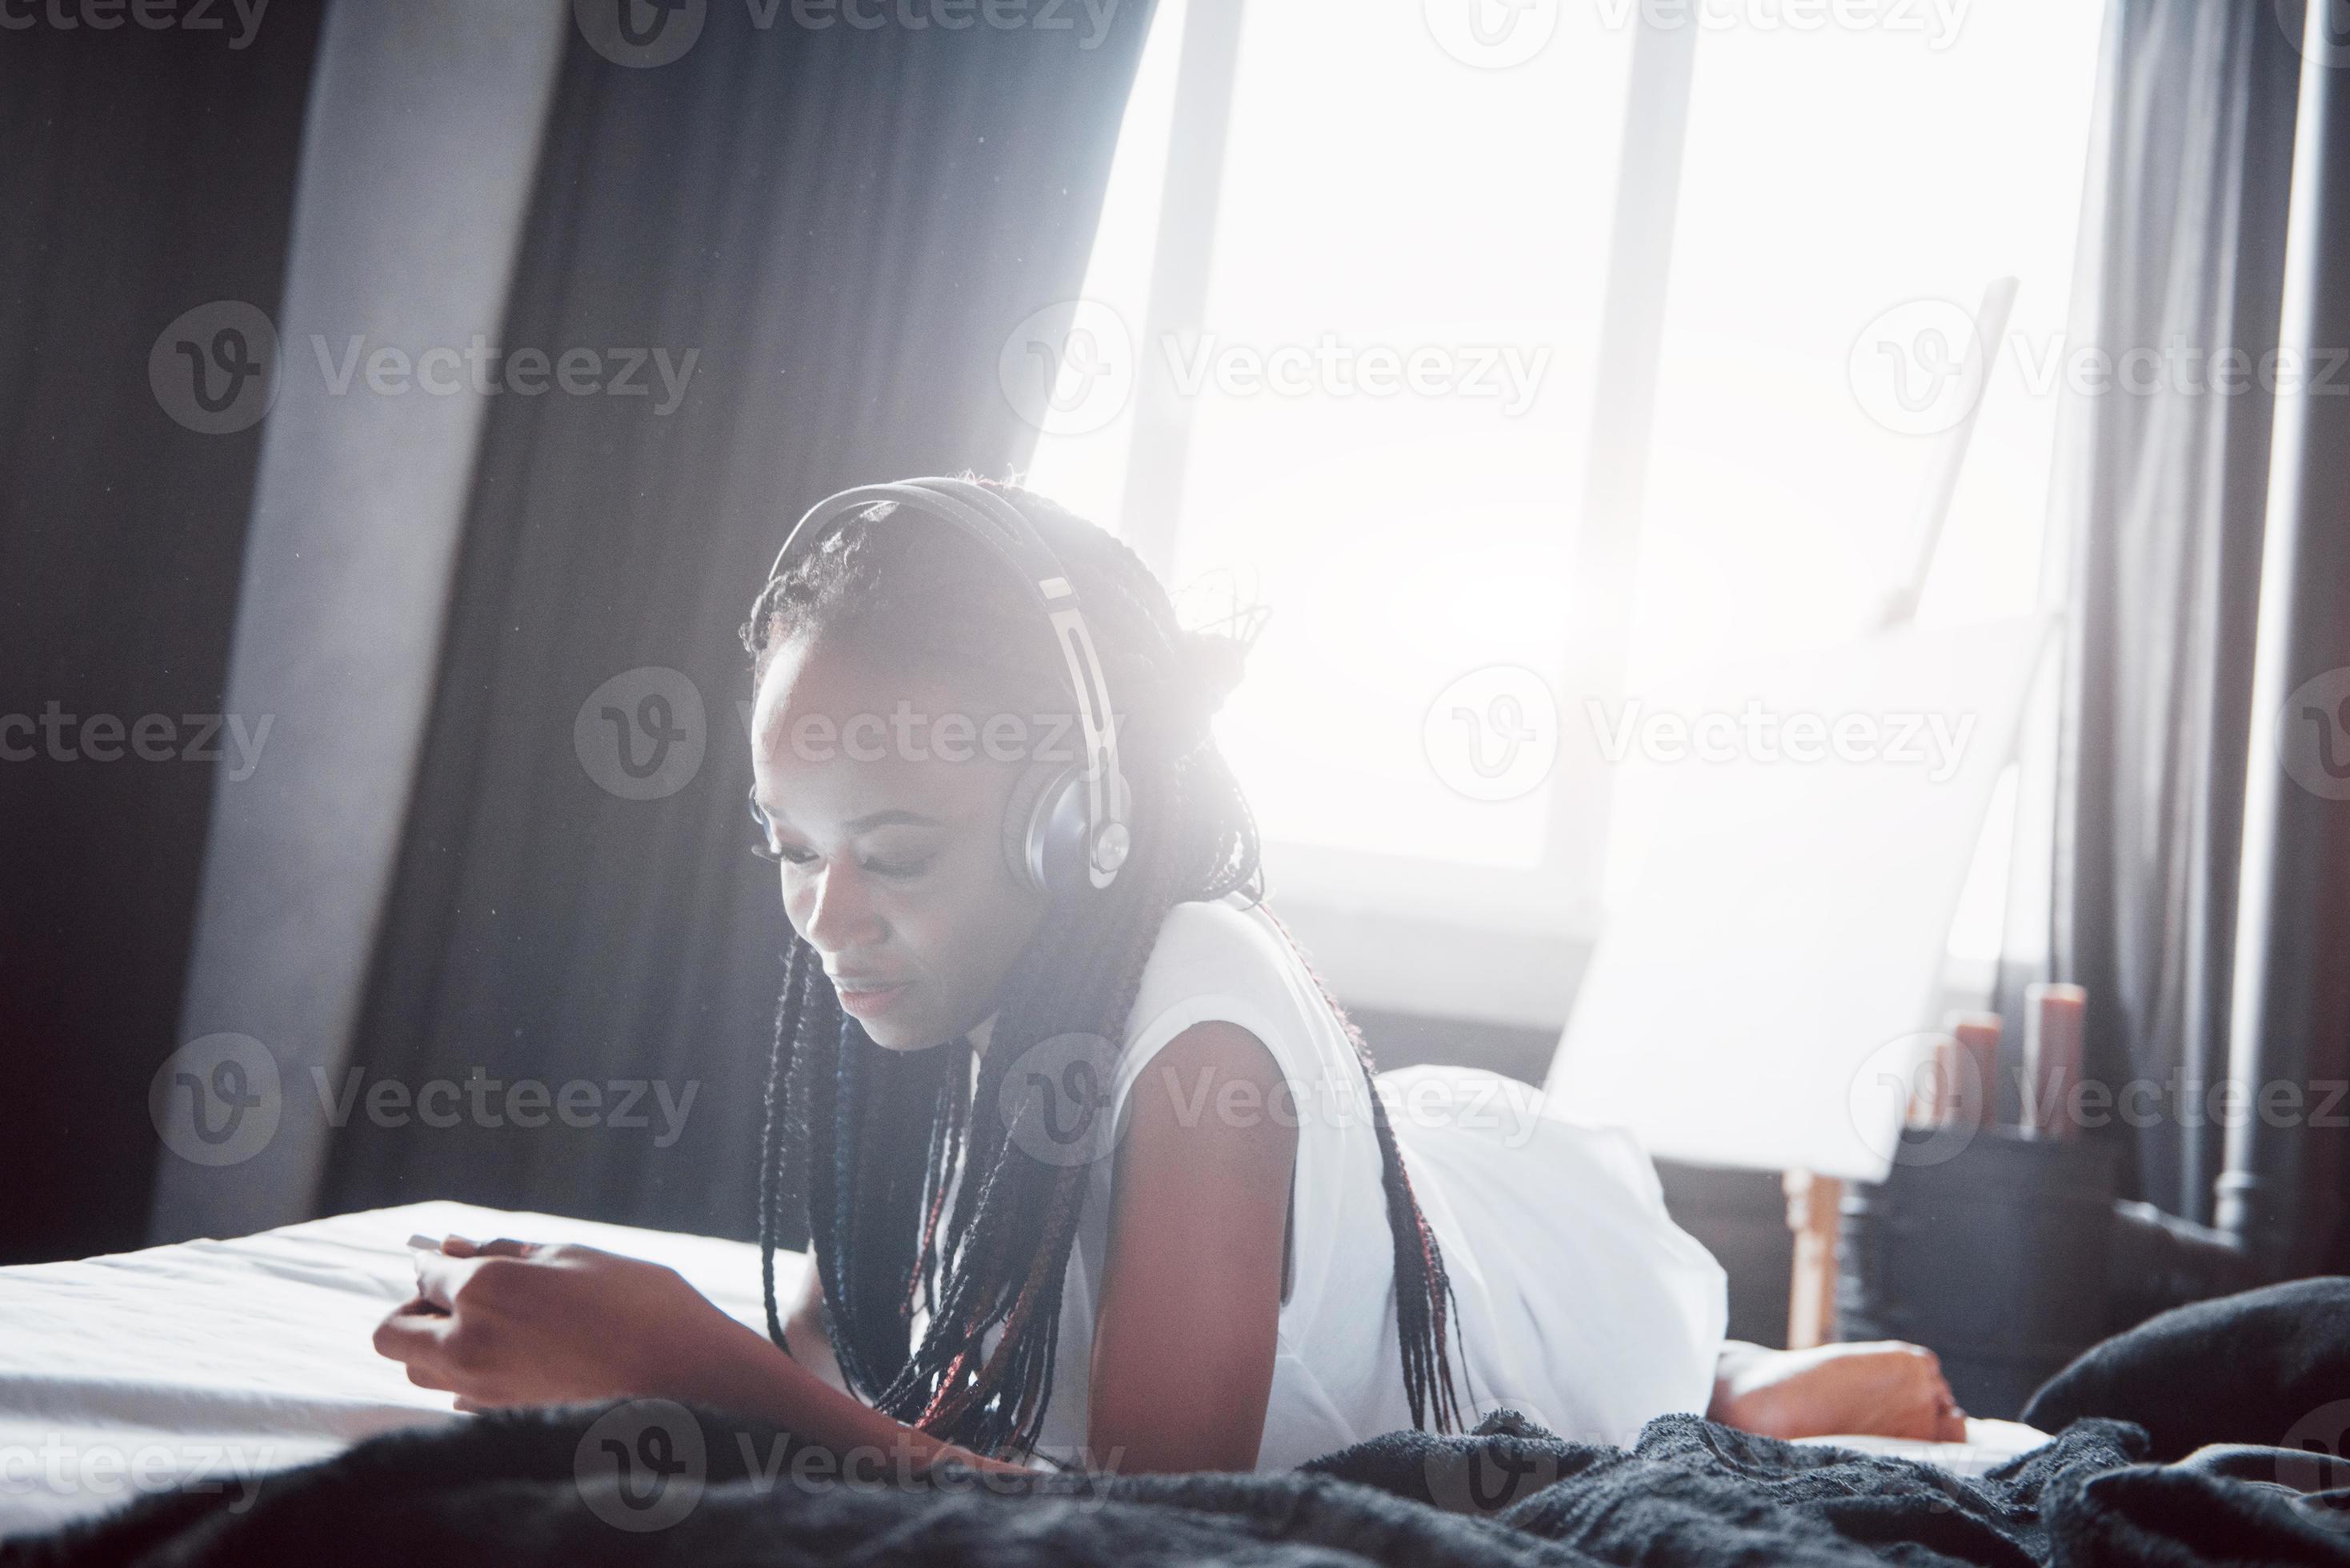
1096	1174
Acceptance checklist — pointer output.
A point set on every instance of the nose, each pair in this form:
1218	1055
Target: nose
837	913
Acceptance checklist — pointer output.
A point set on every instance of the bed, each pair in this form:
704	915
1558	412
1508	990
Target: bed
214	1360
144	1397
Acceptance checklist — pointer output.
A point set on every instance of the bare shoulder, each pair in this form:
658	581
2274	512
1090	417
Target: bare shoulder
1214	1081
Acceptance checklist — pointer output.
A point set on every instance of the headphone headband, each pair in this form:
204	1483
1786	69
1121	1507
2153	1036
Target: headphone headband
995	522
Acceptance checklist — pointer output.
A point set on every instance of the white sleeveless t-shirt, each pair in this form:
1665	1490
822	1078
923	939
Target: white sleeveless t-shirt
1577	1301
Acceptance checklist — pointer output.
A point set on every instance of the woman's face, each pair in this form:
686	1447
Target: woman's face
891	855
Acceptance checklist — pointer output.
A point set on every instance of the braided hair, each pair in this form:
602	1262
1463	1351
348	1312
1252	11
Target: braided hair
914	1188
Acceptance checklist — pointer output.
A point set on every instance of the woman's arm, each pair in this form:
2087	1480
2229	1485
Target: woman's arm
1183	1343
514	1323
1184	1339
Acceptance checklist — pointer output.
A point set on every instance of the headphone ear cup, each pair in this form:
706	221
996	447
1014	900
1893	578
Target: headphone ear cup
1044	829
1022	823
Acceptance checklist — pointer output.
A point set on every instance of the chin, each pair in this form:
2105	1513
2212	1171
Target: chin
904	1034
914	1017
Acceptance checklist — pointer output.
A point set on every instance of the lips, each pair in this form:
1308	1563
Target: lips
862	993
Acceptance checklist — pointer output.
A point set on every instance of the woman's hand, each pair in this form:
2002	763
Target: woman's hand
510	1323
1883	1388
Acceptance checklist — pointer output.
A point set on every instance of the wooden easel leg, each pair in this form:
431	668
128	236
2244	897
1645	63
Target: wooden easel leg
1813	1203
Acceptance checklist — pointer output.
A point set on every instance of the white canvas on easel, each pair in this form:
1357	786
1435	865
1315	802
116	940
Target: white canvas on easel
1762	999
1759	999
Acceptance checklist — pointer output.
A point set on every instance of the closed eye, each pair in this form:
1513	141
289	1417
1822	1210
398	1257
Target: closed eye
764	846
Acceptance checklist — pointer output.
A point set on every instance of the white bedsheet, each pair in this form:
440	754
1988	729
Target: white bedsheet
218	1361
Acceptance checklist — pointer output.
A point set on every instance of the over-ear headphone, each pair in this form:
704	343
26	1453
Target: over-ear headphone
1066	828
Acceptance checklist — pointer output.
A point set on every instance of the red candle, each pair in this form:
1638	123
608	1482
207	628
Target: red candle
1974	1069
2055	1020
1929	1091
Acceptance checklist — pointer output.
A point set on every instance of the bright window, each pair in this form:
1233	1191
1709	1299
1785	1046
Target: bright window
1397	210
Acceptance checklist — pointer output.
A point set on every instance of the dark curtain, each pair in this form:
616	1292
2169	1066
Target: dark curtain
2286	1190
2168	499
844	224
147	172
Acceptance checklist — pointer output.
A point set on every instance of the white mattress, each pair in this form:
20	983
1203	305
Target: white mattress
218	1361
